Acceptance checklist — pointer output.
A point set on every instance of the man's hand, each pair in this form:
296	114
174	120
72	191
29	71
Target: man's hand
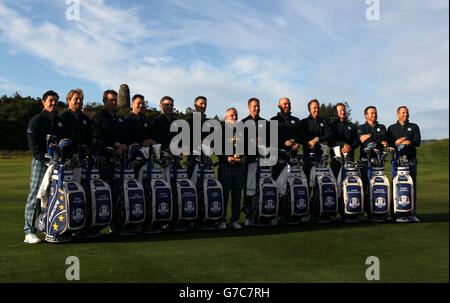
121	149
346	148
292	143
230	160
363	138
148	142
313	142
407	142
400	141
385	143
289	143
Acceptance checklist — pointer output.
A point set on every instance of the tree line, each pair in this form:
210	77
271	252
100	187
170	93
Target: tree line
16	111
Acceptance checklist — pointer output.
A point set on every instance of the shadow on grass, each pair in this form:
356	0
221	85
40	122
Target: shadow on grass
252	231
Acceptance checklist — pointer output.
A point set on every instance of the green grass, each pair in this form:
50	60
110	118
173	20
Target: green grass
309	253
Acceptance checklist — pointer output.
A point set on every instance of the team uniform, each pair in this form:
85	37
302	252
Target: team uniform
343	133
412	133
77	127
288	128
138	128
160	130
38	128
111	130
379	134
313	128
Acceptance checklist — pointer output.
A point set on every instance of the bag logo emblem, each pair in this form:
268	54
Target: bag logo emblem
163	208
404	200
78	215
329	202
104	211
215	207
380	202
354	202
137	209
189	208
269	205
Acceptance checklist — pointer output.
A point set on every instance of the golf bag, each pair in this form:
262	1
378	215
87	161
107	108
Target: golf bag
184	193
293	189
210	192
158	193
98	195
65	212
378	190
403	189
380	195
352	209
265	201
324	199
350	188
128	201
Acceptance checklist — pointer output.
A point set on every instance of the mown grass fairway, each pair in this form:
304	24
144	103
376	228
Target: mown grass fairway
311	253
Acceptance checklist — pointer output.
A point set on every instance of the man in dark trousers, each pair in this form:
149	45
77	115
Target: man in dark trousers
161	124
408	134
370	132
109	127
77	126
251	151
45	123
289	133
345	135
231	172
137	124
315	131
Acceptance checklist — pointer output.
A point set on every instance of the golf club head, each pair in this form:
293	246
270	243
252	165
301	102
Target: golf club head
371	145
324	159
50	139
65	147
133	149
157	151
263	150
145	152
207	150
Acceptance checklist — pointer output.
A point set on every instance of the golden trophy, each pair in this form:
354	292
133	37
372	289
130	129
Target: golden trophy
236	156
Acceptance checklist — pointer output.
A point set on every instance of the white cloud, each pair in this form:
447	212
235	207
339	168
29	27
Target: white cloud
230	51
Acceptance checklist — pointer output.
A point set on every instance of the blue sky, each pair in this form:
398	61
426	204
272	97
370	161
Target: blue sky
230	51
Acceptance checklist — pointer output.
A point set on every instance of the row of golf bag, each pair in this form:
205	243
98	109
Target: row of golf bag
151	191
346	194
